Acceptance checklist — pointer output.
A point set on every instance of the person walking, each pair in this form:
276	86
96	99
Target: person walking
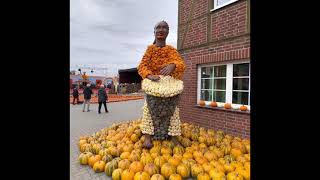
75	95
102	98
87	92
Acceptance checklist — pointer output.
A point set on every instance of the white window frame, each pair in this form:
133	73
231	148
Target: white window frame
215	6
229	83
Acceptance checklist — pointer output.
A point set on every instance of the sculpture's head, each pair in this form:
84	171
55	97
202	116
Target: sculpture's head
161	31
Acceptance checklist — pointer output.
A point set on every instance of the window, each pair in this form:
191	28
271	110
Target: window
225	83
220	3
241	79
213	83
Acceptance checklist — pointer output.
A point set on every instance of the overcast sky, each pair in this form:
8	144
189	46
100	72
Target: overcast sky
115	33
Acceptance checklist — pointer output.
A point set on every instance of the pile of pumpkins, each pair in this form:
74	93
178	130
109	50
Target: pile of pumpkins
205	154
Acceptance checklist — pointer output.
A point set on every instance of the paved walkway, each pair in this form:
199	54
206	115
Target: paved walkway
86	123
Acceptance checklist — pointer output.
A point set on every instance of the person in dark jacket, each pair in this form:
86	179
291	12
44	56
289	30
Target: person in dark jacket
75	95
102	98
87	92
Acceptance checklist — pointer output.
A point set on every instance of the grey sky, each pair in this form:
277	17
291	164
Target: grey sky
115	33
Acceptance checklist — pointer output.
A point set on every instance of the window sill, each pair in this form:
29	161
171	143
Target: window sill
223	109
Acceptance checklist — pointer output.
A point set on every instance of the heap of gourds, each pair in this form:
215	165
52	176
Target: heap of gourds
205	154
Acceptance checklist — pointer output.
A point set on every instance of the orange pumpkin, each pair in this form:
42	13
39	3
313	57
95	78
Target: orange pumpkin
197	154
166	150
155	149
154	155
203	176
99	166
234	176
157	177
213	104
94	159
127	175
229	167
187	155
174	161
207	167
201	160
183	170
141	176
227	106
166	156
136	166
235	153
124	164
243	108
128	148
178	156
217	175
175	177
114	151
202	103
151	169
125	155
209	155
167	169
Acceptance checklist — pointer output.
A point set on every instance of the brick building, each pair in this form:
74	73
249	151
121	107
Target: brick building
214	41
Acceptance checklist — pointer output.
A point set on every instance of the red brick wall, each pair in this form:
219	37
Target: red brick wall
230	42
184	10
229	21
200	8
197	33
